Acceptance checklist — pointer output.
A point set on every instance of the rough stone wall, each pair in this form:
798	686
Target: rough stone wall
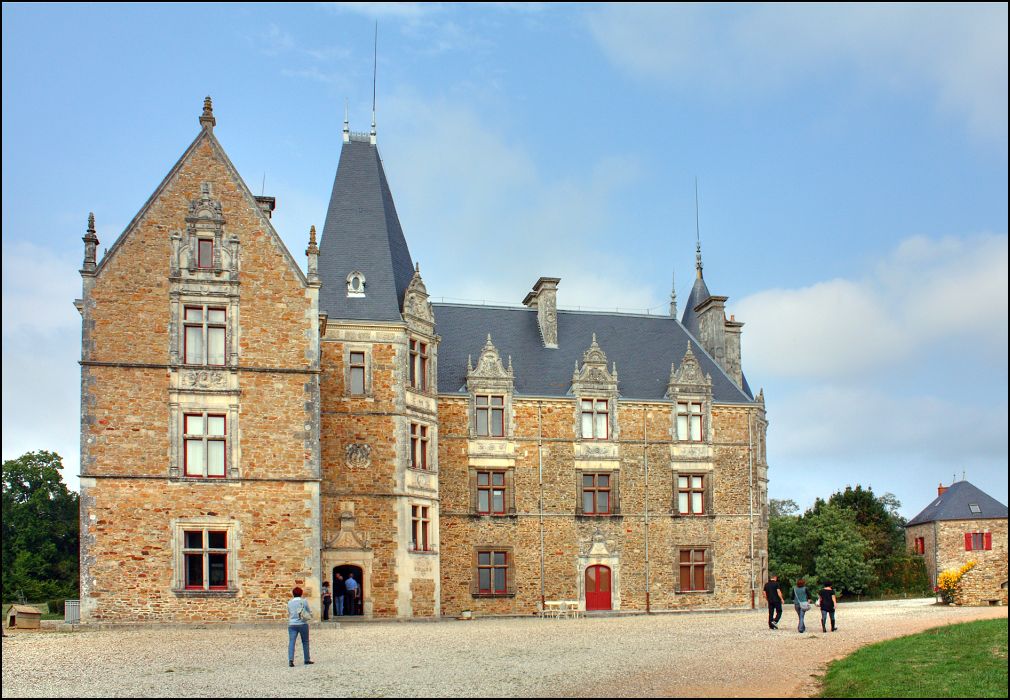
927	531
568	538
981	584
130	442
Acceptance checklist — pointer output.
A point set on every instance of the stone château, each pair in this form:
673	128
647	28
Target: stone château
248	425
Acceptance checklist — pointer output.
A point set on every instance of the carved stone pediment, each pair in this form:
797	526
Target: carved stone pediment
592	377
598	547
204	379
688	378
417	309
490	374
347	536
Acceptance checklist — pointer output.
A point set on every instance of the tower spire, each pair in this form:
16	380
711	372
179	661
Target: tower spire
375	71
673	295
697	232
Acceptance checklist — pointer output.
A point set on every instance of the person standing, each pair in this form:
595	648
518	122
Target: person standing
299	615
339	590
351	597
773	593
801	602
827	603
327	600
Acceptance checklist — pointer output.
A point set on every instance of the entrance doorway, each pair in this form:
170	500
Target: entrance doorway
598	587
352	604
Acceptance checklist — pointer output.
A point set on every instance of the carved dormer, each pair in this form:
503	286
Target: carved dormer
417	311
689	379
203	250
490	385
691	388
592	384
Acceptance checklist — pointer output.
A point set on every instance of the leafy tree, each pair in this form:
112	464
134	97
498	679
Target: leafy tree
778	507
41	529
841	549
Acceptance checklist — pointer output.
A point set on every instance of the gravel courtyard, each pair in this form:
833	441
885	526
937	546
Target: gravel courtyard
692	654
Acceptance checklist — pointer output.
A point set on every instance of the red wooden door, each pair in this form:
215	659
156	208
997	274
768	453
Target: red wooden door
598	588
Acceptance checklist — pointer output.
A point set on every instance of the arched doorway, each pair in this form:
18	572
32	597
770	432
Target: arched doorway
598	587
352	604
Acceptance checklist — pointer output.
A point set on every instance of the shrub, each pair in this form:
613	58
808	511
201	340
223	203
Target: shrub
949	580
57	607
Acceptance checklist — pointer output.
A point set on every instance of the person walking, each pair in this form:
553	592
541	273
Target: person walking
299	615
801	602
351	597
773	593
327	600
339	590
827	603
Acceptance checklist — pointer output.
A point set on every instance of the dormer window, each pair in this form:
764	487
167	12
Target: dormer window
355	284
205	253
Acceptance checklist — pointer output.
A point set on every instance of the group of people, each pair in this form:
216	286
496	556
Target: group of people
345	597
801	602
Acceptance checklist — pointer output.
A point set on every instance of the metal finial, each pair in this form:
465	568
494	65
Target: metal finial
375	72
697	231
673	295
417	267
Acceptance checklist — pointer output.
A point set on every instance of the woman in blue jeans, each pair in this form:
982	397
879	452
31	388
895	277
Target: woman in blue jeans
801	602
299	615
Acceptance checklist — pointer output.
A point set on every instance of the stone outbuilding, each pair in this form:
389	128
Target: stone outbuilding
964	524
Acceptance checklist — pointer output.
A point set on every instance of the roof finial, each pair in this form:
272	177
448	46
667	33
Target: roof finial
697	231
417	267
347	122
207	119
91	222
375	71
673	295
312	235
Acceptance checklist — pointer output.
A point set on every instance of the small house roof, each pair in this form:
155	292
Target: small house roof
961	501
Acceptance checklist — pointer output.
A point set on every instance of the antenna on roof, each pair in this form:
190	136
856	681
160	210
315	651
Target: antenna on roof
263	189
375	71
697	230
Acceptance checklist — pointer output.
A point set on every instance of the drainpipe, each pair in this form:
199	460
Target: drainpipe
540	460
645	432
750	516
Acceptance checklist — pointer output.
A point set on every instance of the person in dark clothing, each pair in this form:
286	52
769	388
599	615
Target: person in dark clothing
327	599
827	603
800	603
339	589
774	596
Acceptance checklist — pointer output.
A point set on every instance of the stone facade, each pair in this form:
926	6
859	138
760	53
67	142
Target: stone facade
339	449
944	548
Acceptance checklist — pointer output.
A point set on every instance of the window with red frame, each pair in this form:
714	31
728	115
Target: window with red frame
204	440
595	419
419	528
692	569
418	446
920	545
491	493
492	572
689	421
596	494
977	541
490	418
691	494
205	253
205	554
418	365
204	335
357	373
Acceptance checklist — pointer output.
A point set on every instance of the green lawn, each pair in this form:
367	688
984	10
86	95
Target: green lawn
966	660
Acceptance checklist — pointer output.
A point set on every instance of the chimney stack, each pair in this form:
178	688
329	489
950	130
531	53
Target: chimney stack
940	489
544	298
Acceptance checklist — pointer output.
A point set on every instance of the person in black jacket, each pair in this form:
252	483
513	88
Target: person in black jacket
827	603
339	589
774	596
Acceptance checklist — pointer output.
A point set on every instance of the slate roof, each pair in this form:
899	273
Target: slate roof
955	504
362	233
699	293
643	347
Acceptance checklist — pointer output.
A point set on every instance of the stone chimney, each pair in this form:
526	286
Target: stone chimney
721	337
544	298
267	205
940	489
312	257
733	364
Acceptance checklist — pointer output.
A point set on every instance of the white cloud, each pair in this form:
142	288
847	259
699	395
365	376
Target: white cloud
39	287
960	53
926	292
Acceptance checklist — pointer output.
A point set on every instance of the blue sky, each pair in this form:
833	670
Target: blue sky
852	167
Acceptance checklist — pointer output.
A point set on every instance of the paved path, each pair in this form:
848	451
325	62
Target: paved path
696	654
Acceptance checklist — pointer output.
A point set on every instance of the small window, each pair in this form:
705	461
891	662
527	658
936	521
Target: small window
690	426
355	284
974	508
977	541
418	365
420	523
204	442
205	253
693	563
595	419
491	493
920	545
418	446
205	555
357	373
596	494
490	415
492	572
691	494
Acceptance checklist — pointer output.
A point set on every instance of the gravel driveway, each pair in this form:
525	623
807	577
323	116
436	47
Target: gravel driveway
692	654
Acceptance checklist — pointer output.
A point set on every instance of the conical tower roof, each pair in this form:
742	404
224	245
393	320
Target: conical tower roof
362	234
699	293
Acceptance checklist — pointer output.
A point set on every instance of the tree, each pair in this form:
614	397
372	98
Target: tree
841	550
41	529
778	507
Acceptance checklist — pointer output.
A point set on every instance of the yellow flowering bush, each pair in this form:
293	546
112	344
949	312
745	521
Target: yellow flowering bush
948	581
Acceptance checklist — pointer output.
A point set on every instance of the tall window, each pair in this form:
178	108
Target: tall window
418	446
491	493
692	569
492	572
920	545
689	421
418	365
204	438
490	415
205	559
595	419
205	253
691	494
596	494
419	522
204	335
357	373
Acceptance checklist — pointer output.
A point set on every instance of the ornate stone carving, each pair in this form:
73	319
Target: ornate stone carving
347	536
689	378
205	220
416	308
359	455
593	376
490	374
204	379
